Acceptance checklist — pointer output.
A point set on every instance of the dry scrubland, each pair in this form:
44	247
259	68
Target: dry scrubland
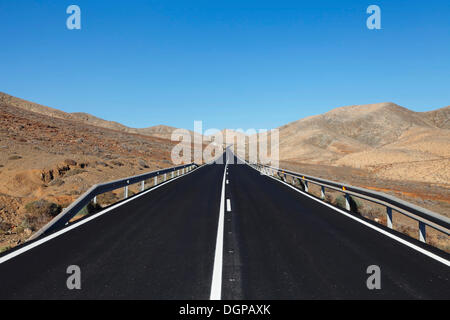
48	158
388	141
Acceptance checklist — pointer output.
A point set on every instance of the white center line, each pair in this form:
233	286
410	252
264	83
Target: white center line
216	284
228	205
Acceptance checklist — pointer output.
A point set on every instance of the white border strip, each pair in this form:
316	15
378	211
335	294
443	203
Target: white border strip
388	234
216	284
67	229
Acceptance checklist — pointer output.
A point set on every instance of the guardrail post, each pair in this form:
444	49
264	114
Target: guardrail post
389	217
178	173
299	181
322	192
156	180
347	201
306	185
182	171
142	185
125	192
95	200
422	232
165	176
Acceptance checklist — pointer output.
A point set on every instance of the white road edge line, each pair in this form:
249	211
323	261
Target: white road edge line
228	205
67	229
216	284
386	233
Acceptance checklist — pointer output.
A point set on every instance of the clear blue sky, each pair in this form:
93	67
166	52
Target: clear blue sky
236	64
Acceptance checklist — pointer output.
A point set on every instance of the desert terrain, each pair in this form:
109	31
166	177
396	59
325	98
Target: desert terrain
387	140
50	155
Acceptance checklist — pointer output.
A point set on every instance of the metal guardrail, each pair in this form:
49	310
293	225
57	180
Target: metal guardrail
91	195
423	216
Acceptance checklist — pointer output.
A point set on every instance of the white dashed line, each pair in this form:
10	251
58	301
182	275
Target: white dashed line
228	205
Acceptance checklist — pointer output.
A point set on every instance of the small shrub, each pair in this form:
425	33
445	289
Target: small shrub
14	158
143	164
57	182
89	209
117	163
3	249
107	198
19	229
101	163
374	213
70	162
329	198
42	208
34	222
5	226
74	172
355	204
409	231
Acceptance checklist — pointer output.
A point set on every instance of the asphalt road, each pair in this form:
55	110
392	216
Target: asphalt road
277	244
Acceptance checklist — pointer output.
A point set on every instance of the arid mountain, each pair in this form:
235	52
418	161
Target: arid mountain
439	118
160	131
390	141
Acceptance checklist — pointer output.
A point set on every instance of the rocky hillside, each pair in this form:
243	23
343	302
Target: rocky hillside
51	160
388	140
160	131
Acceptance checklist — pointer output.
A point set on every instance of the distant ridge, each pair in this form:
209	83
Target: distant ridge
160	131
389	140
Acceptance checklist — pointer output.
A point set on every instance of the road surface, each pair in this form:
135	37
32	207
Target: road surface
277	244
